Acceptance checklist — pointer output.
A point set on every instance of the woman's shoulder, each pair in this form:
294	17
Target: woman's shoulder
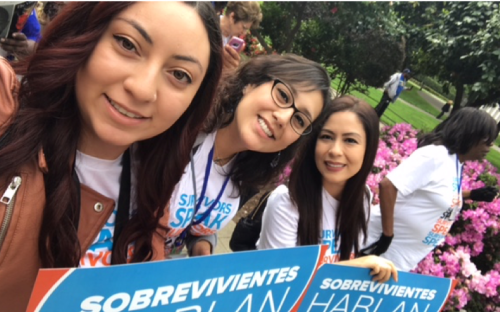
280	203
281	192
437	153
280	197
9	89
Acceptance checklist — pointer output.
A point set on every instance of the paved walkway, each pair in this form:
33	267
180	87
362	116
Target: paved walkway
223	239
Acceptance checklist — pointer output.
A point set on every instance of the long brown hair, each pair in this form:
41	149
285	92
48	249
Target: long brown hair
306	184
49	118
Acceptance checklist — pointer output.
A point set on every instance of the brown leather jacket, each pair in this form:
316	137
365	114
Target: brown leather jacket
19	258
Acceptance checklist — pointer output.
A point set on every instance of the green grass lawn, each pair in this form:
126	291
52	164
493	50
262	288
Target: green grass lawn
494	158
412	97
399	112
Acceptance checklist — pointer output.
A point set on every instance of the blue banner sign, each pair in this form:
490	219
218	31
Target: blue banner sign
270	280
337	288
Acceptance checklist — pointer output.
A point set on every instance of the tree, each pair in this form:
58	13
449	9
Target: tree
361	41
458	42
487	54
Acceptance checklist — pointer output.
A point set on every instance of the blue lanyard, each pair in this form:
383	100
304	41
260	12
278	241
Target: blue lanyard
459	177
204	189
180	239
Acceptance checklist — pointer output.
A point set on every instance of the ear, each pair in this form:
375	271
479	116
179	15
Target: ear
248	88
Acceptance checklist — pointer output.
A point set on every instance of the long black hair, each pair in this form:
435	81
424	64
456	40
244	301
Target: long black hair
252	170
306	185
463	130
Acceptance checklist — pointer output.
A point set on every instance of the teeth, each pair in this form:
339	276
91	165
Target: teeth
123	111
334	166
265	128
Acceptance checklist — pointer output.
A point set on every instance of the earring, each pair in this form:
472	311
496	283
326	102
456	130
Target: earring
275	160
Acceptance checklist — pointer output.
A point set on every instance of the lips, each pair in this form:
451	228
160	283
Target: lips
125	112
265	127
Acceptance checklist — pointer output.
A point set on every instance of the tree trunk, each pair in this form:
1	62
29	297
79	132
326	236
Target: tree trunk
299	13
459	86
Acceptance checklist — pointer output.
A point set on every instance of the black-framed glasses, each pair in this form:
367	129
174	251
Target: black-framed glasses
283	97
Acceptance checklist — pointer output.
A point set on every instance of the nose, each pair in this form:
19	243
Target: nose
335	148
282	116
142	84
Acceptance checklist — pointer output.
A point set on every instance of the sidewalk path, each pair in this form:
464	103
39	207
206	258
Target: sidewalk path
432	99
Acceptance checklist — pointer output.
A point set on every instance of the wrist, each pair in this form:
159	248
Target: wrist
388	234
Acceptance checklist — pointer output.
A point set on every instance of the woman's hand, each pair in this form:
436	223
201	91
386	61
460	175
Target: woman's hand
381	269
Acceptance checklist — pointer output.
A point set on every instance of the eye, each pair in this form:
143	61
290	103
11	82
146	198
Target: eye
181	76
325	137
283	96
351	141
125	43
299	120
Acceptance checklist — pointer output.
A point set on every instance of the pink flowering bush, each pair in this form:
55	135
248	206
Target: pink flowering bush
471	251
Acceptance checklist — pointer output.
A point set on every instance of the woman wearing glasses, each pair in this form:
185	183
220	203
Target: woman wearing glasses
263	111
327	201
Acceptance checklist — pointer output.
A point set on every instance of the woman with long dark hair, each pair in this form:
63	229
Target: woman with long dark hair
420	199
109	107
262	113
327	201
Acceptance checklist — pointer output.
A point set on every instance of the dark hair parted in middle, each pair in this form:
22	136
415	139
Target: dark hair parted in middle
463	130
306	182
251	169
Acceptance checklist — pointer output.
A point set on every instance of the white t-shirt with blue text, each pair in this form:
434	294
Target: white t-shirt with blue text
427	202
182	203
280	223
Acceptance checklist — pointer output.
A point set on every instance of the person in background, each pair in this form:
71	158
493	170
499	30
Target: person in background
237	20
446	108
22	44
421	198
392	90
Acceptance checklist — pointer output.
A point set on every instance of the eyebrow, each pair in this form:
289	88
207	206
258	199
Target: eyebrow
344	135
189	59
139	28
146	36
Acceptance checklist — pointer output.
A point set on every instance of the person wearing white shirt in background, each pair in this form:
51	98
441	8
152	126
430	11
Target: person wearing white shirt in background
238	19
327	201
420	199
392	90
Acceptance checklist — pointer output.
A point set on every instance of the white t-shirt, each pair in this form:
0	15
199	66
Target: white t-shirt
427	202
225	40
280	223
182	203
104	177
392	85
